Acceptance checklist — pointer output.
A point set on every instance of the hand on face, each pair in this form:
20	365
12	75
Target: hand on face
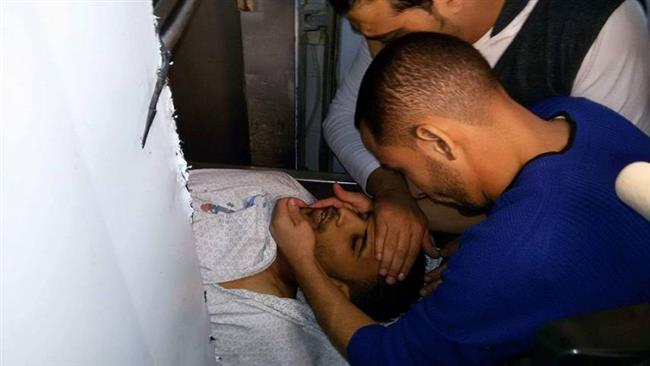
344	242
399	232
433	278
339	240
293	233
357	202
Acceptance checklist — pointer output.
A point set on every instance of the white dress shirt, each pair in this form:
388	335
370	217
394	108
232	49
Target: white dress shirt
615	72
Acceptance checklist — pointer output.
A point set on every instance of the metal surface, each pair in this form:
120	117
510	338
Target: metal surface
325	155
269	70
238	79
618	336
174	16
317	31
161	80
207	82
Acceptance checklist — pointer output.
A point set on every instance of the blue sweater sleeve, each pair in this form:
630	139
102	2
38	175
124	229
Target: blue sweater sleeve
401	344
462	323
557	243
504	283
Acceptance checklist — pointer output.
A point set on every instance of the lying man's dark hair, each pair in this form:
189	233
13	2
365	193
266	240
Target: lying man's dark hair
383	302
343	6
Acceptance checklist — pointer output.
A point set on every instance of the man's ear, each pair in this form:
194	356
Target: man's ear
434	141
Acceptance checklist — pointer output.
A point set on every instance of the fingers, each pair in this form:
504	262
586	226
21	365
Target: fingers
388	241
332	201
380	237
293	234
429	287
435	274
398	235
280	219
293	209
404	256
411	256
341	193
287	212
432	280
353	201
399	254
450	248
440	252
358	200
429	248
297	201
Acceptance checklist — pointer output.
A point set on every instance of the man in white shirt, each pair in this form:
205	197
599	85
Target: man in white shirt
613	69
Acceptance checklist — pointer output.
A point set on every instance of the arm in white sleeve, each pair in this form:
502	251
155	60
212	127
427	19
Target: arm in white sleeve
616	70
338	127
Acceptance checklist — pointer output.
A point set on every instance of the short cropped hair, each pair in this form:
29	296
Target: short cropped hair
422	74
383	302
344	6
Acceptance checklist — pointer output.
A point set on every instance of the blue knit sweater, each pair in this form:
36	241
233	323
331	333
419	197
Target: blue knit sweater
558	242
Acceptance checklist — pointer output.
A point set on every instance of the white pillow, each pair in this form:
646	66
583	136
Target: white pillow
232	212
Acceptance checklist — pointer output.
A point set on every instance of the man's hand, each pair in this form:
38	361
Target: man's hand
400	232
357	202
433	278
293	233
400	226
329	298
398	223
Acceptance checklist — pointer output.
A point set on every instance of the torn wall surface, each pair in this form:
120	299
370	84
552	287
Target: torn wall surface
98	260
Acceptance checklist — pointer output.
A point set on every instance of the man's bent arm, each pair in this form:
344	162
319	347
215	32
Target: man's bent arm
338	317
338	127
615	71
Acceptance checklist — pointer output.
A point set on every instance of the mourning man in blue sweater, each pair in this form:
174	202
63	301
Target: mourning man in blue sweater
556	242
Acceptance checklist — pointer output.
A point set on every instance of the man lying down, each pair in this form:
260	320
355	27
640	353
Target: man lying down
257	314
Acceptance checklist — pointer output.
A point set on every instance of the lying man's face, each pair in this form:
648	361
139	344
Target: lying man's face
345	243
345	248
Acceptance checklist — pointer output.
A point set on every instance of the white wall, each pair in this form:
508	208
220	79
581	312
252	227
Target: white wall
98	261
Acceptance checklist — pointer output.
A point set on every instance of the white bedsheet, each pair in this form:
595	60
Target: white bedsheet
232	211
